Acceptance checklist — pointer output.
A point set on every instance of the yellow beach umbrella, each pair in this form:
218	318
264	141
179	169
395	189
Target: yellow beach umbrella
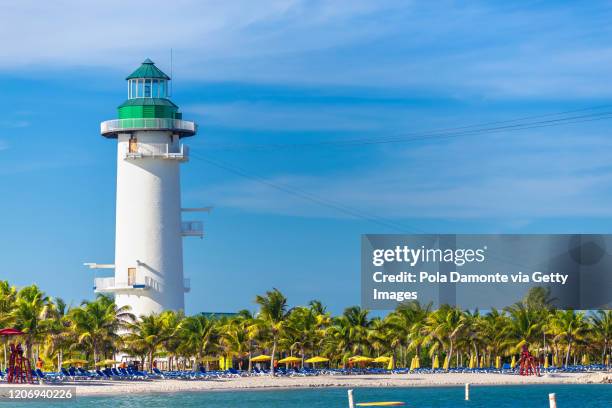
586	360
472	363
225	363
288	360
391	364
361	359
546	362
412	364
555	360
381	359
446	363
608	360
513	362
107	362
261	359
498	363
317	359
79	361
417	362
482	362
436	363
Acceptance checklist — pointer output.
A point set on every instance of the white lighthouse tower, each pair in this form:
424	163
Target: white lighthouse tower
149	230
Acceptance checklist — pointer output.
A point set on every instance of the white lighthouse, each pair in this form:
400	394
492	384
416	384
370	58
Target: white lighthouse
149	229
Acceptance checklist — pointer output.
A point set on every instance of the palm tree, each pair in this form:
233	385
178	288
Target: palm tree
348	334
173	343
235	339
380	336
445	326
99	321
149	333
255	330
199	333
569	326
31	310
302	323
273	313
494	333
601	324
8	296
525	325
59	335
408	322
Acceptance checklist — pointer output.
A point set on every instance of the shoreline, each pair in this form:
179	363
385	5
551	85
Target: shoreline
263	383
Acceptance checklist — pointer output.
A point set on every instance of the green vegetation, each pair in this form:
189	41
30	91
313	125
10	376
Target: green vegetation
97	330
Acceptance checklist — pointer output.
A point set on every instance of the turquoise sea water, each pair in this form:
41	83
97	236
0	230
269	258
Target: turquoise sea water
583	396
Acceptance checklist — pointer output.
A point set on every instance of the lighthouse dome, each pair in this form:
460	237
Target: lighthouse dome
148	70
148	105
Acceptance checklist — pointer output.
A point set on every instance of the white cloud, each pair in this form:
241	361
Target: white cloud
541	175
457	49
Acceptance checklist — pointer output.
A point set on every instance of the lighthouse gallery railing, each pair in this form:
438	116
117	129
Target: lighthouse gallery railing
117	125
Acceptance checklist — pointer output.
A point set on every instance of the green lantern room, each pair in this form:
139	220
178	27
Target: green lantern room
148	105
148	94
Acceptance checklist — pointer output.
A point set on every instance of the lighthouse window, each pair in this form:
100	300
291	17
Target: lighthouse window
147	88
132	89
156	88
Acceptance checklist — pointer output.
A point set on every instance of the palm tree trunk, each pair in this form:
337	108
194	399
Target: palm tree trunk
567	355
250	362
272	357
29	348
302	352
450	353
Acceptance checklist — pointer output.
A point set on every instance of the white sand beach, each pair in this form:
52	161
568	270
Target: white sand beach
118	387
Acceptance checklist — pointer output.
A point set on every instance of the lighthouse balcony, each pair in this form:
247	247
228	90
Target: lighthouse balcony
111	128
192	229
108	284
168	151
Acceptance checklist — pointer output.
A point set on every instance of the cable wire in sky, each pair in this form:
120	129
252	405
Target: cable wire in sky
468	130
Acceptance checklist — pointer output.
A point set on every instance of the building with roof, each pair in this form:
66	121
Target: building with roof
150	133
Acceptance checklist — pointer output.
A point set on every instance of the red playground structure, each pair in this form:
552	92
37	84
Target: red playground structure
19	369
529	364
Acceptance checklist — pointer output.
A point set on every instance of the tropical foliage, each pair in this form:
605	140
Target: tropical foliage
99	330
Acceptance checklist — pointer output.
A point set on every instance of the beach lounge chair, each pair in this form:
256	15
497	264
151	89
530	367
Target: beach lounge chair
118	374
48	377
66	373
137	375
109	373
85	373
158	372
102	374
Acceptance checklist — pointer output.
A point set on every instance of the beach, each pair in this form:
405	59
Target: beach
121	387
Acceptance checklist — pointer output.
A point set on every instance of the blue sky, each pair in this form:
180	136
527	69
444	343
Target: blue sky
283	76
